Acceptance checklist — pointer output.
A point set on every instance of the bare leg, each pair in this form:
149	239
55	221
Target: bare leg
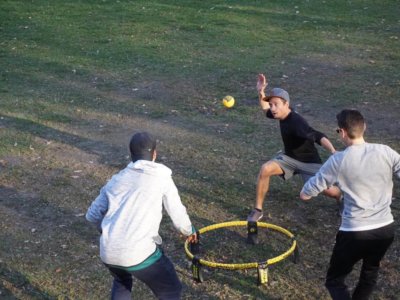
267	170
270	168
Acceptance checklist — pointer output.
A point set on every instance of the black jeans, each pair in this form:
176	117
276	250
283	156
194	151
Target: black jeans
351	246
160	277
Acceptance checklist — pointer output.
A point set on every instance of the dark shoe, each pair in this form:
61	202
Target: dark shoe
254	215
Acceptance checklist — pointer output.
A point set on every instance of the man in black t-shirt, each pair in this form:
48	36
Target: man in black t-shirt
300	155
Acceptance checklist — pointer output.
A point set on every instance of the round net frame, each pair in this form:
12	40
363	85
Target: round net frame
233	266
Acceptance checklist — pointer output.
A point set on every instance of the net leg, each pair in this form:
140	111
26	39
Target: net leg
262	272
195	247
196	270
252	231
296	255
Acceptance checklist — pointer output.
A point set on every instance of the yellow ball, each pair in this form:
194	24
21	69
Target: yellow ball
228	101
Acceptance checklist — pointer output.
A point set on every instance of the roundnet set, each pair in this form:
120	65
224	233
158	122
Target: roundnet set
262	266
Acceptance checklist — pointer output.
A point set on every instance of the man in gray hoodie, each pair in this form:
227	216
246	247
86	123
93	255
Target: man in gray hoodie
128	212
364	173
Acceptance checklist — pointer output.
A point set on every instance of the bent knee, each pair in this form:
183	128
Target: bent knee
270	168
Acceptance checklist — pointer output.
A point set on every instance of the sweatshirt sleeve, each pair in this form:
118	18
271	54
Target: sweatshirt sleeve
98	209
396	162
324	178
176	210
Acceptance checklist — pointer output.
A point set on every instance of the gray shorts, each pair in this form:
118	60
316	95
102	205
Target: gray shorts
291	166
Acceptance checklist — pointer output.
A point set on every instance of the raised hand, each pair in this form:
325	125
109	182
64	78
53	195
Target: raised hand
261	83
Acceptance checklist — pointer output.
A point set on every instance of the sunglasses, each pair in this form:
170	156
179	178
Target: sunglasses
338	130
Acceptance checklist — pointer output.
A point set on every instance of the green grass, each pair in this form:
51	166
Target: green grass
77	78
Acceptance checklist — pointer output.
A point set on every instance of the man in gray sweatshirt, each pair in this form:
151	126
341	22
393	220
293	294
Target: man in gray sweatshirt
128	212
364	173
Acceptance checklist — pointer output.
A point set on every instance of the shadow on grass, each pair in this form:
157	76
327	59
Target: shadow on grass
15	285
45	214
116	156
98	148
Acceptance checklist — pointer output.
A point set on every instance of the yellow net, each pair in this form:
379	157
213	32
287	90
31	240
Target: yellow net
250	265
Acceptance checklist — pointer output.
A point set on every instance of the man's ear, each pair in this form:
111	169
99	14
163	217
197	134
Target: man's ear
344	134
154	155
286	103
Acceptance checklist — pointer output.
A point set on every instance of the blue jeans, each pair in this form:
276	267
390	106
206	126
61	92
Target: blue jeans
368	246
160	277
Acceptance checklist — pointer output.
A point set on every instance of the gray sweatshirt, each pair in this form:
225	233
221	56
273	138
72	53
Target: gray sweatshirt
129	212
364	173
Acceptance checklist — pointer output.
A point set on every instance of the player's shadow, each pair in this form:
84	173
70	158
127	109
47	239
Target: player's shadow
29	206
99	148
11	280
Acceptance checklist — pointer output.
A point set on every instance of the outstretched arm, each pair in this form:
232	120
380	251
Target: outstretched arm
325	177
326	143
304	197
176	210
262	84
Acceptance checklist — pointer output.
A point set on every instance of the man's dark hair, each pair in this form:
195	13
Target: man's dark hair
352	121
142	146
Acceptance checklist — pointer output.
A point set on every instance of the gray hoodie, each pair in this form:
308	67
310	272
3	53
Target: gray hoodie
129	211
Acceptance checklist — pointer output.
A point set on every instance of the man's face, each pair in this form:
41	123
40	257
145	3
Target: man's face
279	108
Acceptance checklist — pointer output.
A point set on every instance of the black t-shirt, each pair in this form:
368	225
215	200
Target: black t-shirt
299	138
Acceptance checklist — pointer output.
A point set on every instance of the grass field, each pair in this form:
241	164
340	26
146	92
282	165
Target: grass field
77	78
